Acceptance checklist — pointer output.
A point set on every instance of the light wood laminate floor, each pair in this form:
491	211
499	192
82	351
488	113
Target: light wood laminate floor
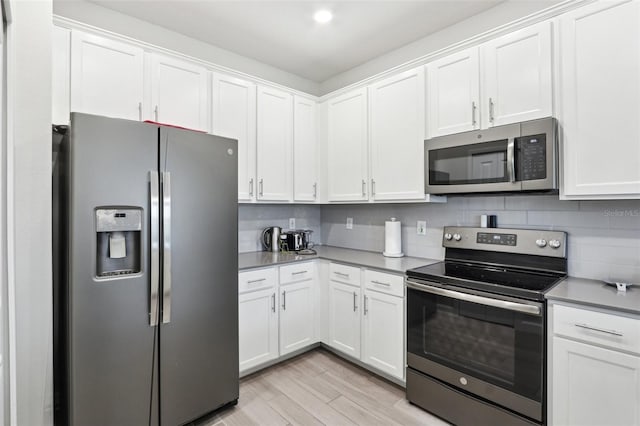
319	388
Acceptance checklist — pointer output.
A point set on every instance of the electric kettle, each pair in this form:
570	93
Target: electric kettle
271	238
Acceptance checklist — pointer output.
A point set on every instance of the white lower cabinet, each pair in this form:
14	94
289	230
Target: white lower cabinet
258	327
344	318
367	321
595	365
362	313
383	332
297	307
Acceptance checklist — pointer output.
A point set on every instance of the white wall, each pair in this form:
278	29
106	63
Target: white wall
499	15
119	23
29	211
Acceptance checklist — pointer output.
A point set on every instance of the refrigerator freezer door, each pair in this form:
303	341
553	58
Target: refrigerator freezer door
199	345
111	345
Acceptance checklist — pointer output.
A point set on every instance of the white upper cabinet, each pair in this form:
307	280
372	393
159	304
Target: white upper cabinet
60	73
504	81
106	77
347	154
453	93
234	116
179	92
516	71
275	144
305	169
397	106
600	100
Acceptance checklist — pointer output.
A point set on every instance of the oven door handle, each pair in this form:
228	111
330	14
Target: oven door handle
497	303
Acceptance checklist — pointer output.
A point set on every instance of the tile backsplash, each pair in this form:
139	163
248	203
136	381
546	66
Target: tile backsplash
253	218
603	236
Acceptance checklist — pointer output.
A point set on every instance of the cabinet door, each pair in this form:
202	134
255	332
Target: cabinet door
600	98
305	180
106	77
234	116
517	76
383	332
179	92
258	327
344	318
594	386
397	108
347	147
296	316
274	142
60	74
453	93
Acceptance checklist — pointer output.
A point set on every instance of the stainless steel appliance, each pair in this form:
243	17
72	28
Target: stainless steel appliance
297	240
146	297
511	158
271	238
476	325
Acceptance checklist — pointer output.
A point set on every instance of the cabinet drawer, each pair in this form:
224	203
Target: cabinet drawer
384	283
610	330
344	274
297	272
256	280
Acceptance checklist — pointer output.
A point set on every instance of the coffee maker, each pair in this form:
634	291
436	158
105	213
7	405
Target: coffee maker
298	240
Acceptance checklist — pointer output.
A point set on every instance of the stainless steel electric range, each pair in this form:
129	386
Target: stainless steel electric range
476	327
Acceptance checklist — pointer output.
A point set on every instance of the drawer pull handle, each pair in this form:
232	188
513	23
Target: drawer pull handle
299	272
381	283
601	330
342	274
256	281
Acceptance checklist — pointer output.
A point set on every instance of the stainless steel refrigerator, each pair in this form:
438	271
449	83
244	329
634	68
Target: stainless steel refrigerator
146	273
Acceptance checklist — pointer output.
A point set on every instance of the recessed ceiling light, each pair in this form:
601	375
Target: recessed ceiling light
323	16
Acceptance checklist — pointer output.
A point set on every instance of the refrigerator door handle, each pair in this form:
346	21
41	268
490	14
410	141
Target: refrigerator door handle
166	249
155	248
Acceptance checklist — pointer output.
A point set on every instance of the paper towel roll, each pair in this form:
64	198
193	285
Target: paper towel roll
393	238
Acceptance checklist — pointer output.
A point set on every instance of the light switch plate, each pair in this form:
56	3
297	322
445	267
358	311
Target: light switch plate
421	228
292	223
349	223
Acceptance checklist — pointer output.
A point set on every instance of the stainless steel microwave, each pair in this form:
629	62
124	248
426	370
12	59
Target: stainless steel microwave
512	158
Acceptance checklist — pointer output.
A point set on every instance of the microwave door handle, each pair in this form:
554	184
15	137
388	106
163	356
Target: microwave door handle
511	160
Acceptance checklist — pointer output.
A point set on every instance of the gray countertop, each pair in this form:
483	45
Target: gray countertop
596	293
369	259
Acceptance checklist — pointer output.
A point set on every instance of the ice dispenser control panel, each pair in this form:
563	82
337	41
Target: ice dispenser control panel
118	240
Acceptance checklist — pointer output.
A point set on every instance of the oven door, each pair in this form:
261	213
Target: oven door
487	345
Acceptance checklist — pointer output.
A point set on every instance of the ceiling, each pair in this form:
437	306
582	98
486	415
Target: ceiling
283	34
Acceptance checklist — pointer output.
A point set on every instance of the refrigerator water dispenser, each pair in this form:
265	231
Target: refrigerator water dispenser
118	240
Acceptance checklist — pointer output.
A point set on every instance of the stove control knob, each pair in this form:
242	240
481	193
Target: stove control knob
554	244
541	243
448	236
457	237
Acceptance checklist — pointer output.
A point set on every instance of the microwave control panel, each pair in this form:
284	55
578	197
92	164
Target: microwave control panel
532	157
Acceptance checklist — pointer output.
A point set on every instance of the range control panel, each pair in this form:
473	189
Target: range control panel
523	241
495	238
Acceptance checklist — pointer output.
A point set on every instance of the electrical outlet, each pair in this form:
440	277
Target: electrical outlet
292	223
421	228
349	223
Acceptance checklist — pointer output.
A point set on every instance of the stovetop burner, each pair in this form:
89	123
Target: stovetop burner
500	280
514	262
